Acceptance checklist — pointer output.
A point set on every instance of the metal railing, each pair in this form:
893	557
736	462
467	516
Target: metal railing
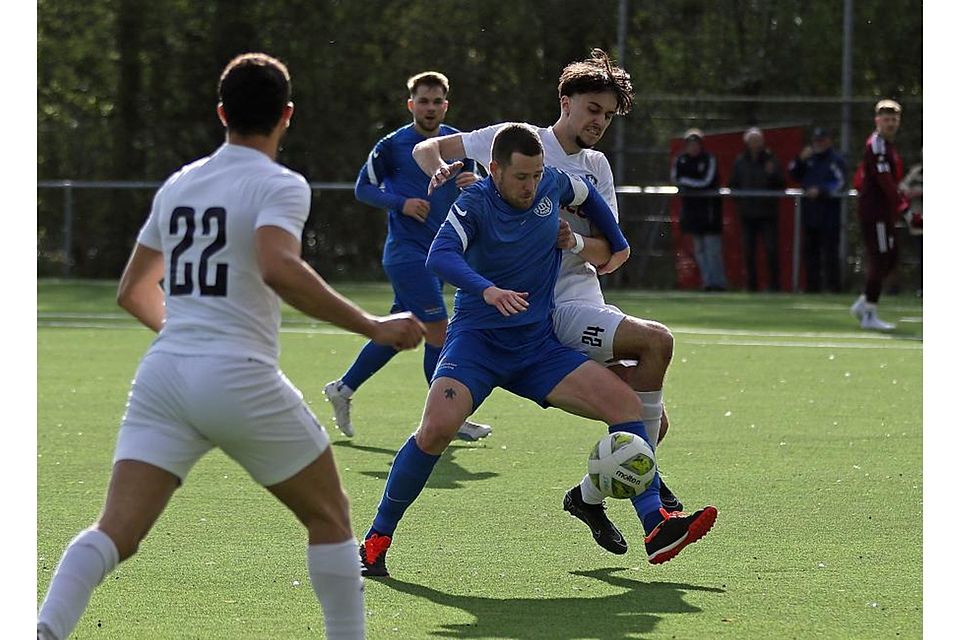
69	186
796	194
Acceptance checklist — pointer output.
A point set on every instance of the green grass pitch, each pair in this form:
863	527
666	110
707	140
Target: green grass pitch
805	432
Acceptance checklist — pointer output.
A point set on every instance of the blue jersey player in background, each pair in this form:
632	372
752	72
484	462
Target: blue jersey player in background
390	179
498	245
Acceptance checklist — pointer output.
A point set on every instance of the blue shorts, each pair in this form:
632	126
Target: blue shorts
527	360
417	290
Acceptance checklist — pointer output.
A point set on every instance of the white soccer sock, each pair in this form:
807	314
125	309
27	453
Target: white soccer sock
86	562
590	493
335	576
651	413
870	306
344	390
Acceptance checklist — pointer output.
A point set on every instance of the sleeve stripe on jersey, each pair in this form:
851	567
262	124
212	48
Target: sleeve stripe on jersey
452	219
707	179
371	172
580	190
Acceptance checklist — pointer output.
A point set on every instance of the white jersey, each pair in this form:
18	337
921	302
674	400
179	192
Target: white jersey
578	280
203	220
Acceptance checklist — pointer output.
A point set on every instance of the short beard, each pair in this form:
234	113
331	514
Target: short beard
423	125
582	144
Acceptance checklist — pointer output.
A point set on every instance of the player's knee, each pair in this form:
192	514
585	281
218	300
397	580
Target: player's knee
433	437
663	343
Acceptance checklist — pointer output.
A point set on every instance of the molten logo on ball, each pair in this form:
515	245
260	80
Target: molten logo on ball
622	465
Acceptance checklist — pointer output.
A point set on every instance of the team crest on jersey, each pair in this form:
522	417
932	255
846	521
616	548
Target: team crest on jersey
544	207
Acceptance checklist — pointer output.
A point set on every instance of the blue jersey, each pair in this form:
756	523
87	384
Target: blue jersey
510	248
390	176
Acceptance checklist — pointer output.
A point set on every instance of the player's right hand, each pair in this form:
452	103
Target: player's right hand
444	173
416	208
399	330
507	302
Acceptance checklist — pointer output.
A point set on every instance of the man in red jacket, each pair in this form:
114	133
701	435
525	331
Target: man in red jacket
878	207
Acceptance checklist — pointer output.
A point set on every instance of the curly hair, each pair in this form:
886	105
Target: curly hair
597	74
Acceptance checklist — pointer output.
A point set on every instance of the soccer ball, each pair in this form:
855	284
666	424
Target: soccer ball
622	465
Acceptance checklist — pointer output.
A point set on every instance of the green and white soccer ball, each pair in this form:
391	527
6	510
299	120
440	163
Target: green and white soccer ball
622	465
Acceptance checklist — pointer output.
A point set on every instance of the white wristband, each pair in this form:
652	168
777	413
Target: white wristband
578	240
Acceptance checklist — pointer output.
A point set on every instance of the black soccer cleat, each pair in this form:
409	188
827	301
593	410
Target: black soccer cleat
670	502
373	556
604	532
676	531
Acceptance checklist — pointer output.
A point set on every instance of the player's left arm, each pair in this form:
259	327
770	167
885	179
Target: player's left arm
602	217
596	249
139	292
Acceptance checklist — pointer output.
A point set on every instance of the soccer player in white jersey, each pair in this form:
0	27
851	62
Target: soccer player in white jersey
592	92
224	237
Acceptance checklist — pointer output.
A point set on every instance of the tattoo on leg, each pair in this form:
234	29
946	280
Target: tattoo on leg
449	393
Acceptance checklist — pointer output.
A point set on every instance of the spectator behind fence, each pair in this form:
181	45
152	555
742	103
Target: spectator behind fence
912	189
821	172
878	207
695	170
757	168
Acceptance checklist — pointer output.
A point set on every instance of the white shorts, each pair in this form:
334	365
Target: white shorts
182	406
588	329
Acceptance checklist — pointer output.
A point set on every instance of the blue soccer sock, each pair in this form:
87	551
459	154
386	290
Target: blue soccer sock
431	355
408	475
647	504
370	360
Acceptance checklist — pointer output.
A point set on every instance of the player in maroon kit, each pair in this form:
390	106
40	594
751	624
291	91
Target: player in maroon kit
879	205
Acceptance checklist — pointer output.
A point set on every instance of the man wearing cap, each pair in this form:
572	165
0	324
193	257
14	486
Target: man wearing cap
702	217
757	169
821	172
878	207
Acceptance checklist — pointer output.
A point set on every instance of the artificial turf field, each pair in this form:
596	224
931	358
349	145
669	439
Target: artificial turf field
805	432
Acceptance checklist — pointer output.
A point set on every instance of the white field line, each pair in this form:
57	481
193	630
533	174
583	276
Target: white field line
901	346
725	337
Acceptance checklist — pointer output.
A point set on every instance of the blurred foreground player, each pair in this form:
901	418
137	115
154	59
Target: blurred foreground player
224	236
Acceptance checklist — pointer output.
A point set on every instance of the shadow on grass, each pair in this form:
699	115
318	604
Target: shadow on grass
628	615
448	474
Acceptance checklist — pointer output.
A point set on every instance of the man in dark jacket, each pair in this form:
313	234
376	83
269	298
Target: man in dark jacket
821	171
757	168
695	170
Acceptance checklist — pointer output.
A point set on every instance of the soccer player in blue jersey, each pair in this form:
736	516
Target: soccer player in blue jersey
591	93
390	179
498	245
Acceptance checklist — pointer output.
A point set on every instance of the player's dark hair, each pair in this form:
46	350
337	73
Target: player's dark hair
517	137
254	89
597	74
428	79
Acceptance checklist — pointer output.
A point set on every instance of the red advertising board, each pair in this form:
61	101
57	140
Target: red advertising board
785	143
